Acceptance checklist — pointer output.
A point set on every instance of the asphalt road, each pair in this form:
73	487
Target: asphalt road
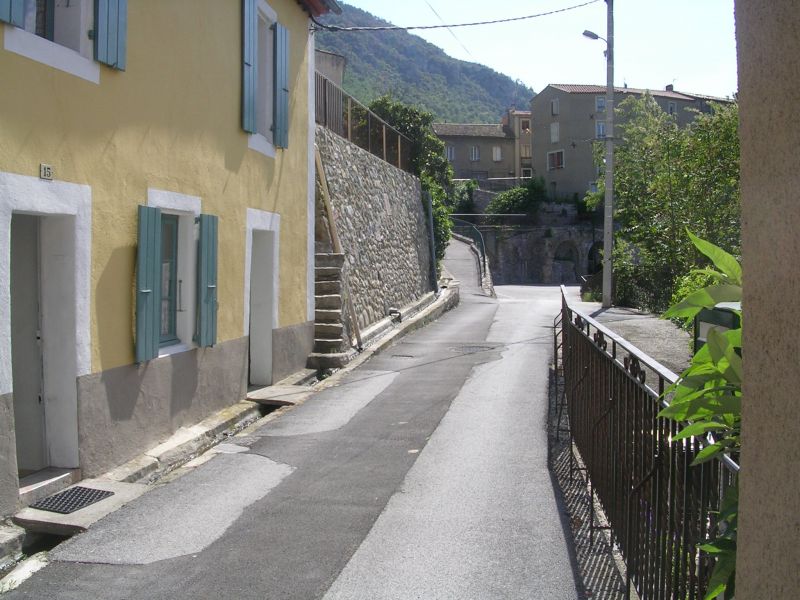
423	474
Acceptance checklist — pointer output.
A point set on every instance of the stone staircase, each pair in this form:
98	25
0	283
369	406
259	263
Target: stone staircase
331	338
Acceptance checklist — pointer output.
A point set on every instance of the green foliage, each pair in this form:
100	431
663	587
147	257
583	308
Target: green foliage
417	72
687	284
708	396
462	197
669	178
520	200
427	161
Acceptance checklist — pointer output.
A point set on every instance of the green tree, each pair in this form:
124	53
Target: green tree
428	161
668	178
520	200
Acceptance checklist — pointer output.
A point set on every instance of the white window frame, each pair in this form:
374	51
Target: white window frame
599	104
450	152
554	108
554	152
555	132
527	172
600	130
497	154
187	208
262	140
525	151
522	125
76	59
474	153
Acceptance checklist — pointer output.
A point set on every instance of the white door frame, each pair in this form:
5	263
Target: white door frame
260	351
66	231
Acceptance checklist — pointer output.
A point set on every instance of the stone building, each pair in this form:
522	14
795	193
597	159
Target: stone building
489	150
568	119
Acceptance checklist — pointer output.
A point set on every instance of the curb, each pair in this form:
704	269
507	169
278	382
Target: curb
186	444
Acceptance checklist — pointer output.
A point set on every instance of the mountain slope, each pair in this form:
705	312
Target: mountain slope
416	72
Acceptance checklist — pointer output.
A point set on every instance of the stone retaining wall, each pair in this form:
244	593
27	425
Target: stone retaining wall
382	227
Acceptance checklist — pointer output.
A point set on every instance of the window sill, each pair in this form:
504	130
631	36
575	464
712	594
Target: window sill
175	349
259	143
49	53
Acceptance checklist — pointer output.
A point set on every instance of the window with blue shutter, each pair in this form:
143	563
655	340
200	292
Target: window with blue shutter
249	64
111	32
13	12
148	284
207	281
281	89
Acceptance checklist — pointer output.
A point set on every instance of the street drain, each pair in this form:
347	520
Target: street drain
402	356
72	499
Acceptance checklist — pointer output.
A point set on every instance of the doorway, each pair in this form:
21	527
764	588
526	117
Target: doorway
26	348
262	306
42	312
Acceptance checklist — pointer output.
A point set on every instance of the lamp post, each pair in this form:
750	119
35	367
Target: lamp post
608	208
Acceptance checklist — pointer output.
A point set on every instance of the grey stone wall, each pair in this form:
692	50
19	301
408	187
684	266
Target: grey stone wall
382	227
548	255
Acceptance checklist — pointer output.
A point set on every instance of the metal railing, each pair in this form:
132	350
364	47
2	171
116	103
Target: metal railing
469	230
346	116
498	184
658	507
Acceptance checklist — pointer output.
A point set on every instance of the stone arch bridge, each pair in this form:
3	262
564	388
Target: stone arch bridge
543	254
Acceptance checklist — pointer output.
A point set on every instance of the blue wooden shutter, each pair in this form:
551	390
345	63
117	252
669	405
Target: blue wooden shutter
148	284
280	118
13	12
111	32
249	64
207	281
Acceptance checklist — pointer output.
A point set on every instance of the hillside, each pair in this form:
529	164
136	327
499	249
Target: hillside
417	72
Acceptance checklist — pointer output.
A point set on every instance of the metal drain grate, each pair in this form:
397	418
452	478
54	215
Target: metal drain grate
70	500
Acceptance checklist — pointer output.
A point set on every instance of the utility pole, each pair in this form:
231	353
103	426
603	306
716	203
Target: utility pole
608	208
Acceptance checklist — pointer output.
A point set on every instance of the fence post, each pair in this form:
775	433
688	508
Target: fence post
349	119
399	151
384	141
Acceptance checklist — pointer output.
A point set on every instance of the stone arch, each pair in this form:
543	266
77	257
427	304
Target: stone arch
566	261
594	260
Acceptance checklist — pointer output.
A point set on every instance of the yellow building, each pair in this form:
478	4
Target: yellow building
156	219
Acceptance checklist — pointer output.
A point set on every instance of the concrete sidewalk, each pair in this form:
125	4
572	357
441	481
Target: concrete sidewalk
660	339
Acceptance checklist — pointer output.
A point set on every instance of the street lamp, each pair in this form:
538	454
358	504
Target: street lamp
608	208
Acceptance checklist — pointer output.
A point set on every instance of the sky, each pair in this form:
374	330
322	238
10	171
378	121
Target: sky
687	43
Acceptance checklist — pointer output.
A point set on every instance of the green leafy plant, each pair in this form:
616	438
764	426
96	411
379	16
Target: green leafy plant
463	201
520	200
708	397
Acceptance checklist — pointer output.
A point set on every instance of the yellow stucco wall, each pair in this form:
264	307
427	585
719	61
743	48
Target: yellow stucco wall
171	121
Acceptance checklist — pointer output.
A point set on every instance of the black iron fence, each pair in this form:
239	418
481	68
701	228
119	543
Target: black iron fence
344	115
658	507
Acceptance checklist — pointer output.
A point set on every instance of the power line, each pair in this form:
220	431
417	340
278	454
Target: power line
319	25
453	33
